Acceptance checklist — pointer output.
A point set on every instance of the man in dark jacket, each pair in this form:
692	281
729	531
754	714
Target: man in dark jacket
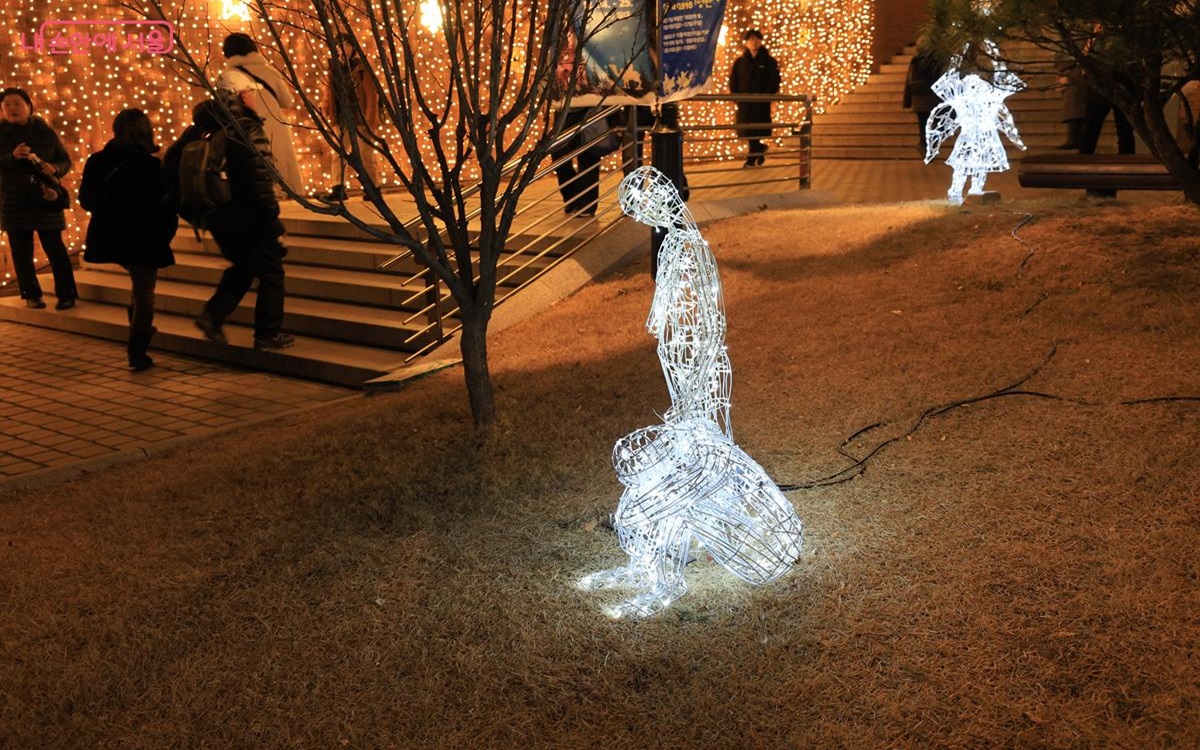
247	228
755	72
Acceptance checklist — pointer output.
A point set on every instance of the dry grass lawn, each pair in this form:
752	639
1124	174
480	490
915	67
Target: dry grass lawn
1020	572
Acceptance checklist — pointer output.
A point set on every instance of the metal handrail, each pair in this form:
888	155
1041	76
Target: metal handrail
563	137
542	238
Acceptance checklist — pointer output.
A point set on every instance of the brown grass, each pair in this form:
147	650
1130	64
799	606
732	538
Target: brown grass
1018	573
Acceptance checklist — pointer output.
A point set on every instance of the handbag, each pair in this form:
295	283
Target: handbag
594	130
61	201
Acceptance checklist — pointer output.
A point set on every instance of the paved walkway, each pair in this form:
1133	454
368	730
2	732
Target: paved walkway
68	401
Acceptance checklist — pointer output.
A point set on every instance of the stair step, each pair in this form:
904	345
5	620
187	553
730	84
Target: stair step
907	123
358	255
353	324
314	359
334	284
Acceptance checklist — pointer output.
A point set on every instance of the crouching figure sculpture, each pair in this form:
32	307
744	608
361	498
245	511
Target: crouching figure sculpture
685	479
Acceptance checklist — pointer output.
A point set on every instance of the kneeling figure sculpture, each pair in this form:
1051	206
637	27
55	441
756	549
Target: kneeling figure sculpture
685	479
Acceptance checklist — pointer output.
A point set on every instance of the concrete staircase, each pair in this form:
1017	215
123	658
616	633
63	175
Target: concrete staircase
871	123
352	321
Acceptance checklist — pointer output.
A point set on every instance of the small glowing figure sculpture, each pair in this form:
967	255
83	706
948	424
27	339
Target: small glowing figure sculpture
976	108
686	480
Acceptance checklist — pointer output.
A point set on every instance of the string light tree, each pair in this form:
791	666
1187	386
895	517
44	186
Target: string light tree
976	108
464	123
685	479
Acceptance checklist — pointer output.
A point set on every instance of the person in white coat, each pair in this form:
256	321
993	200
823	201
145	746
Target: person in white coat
247	70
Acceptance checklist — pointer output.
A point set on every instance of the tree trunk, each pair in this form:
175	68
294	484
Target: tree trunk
1157	133
473	342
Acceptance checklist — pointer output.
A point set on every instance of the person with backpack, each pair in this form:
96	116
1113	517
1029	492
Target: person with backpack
131	225
219	172
32	159
247	70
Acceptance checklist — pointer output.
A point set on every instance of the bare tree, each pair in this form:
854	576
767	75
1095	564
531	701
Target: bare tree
479	102
1137	53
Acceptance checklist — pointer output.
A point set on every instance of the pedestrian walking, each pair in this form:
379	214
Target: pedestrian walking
246	227
131	225
32	160
923	70
247	70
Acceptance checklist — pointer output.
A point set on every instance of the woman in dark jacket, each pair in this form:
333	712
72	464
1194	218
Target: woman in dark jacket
123	189
24	207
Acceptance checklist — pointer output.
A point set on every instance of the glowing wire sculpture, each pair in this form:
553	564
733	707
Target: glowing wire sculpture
976	107
685	479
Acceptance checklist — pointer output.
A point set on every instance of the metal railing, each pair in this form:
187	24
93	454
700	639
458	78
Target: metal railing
545	237
792	140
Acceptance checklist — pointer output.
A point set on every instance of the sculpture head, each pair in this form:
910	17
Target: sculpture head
648	197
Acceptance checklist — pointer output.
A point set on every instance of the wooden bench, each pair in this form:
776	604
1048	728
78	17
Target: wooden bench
1095	172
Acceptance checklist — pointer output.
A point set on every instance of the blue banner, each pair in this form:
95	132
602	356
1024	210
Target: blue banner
687	35
609	55
618	54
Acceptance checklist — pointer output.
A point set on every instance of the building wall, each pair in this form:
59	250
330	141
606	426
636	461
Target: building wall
896	24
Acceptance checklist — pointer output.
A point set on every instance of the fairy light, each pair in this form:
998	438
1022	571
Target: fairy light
823	47
234	10
431	16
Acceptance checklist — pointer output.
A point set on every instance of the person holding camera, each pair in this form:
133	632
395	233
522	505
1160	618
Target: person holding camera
32	200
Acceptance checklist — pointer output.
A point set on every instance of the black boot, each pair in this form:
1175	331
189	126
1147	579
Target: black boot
139	342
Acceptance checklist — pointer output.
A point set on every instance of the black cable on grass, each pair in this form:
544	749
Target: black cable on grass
1041	298
1026	218
860	463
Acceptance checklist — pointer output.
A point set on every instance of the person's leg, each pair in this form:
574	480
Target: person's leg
370	164
1089	135
589	183
21	245
568	186
236	279
267	266
1125	140
141	319
60	263
144	279
922	122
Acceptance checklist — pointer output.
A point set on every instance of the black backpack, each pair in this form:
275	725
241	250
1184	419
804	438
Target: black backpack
203	185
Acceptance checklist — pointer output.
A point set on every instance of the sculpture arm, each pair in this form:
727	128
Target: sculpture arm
940	126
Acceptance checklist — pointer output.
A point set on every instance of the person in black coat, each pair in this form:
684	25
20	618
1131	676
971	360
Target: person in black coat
131	225
923	71
755	72
247	229
27	206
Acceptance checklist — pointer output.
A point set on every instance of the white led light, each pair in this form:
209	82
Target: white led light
431	15
685	479
976	108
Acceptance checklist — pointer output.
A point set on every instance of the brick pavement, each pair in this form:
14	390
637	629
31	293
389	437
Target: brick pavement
69	401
